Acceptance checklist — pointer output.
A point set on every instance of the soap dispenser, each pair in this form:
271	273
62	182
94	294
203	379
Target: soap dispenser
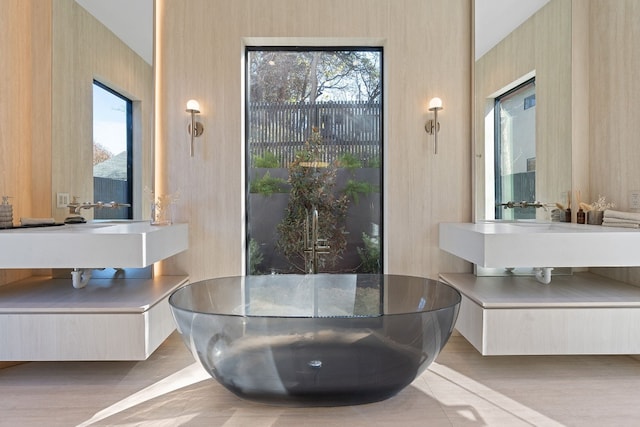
6	213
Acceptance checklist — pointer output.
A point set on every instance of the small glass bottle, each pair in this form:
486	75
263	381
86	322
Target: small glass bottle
581	217
567	215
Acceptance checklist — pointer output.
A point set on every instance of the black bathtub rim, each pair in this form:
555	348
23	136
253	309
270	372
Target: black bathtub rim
453	306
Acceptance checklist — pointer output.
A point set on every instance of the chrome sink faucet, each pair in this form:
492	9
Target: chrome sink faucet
523	204
313	245
75	207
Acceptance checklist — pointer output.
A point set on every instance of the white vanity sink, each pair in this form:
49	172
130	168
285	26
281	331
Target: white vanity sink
95	244
500	244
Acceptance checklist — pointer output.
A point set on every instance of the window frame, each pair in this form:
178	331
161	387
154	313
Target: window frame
497	139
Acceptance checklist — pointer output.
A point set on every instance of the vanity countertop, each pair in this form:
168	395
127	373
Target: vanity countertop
96	244
498	244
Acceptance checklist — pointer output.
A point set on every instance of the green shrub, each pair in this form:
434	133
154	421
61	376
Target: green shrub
354	189
255	257
312	187
267	160
374	162
268	185
349	161
370	254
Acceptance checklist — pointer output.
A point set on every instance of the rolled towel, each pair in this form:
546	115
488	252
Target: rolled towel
36	221
609	213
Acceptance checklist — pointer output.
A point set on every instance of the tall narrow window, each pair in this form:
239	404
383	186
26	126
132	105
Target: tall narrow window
515	151
112	151
314	154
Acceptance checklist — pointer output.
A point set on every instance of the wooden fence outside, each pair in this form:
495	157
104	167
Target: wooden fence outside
346	127
110	190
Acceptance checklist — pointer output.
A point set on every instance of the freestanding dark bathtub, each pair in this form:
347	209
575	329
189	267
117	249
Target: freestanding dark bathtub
315	340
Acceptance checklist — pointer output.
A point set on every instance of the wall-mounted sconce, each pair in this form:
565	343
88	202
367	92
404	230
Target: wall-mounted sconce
195	128
433	125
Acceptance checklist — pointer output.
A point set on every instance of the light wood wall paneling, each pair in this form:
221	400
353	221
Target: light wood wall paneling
21	109
41	48
427	53
614	102
580	100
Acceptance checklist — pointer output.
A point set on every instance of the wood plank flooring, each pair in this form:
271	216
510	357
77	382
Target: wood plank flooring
462	388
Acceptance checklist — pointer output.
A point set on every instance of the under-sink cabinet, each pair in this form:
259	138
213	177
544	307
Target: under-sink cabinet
581	313
43	318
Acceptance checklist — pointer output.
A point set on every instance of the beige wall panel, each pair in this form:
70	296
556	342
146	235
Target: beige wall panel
427	53
41	46
580	99
541	44
553	103
16	101
614	123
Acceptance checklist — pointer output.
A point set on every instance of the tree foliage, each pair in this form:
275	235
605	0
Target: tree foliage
100	153
308	76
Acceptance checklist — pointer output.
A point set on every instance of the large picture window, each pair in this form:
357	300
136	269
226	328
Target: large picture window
314	147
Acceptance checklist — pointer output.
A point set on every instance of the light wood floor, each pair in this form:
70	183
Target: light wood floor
461	389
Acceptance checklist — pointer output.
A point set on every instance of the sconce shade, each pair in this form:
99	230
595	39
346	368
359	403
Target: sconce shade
194	128
433	125
193	106
435	104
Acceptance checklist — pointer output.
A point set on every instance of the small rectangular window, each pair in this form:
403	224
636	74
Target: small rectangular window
515	151
112	151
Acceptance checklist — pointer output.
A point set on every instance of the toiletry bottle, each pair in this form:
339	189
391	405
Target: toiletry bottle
581	217
567	215
6	213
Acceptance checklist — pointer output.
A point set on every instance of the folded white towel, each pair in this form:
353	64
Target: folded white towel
36	221
609	213
620	224
621	221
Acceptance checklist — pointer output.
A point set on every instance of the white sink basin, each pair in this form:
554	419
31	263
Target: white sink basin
95	244
498	244
539	225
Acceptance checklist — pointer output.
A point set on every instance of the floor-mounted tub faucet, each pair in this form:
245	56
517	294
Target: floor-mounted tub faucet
313	245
